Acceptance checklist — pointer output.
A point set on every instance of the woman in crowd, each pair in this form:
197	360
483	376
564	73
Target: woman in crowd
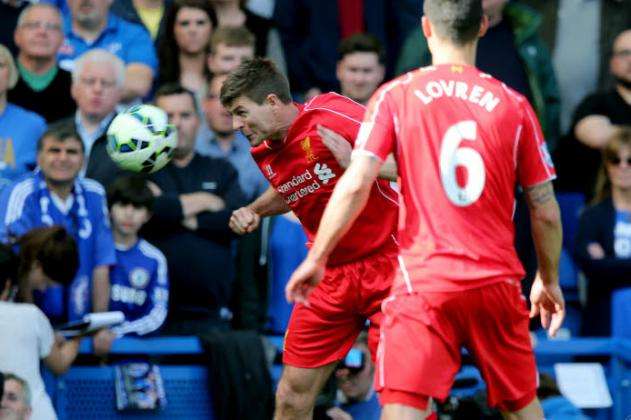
603	243
26	335
183	50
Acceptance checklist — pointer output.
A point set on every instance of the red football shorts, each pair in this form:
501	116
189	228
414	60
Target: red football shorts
325	331
422	335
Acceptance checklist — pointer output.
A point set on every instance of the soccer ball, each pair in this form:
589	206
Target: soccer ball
140	139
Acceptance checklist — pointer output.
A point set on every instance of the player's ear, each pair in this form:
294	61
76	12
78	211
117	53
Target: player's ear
426	27
272	100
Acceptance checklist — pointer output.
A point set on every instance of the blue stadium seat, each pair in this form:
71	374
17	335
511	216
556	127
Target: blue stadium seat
571	204
621	313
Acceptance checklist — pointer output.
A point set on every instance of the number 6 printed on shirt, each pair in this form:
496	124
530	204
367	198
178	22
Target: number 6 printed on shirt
452	156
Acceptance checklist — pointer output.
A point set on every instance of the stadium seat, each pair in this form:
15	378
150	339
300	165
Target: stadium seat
621	313
571	204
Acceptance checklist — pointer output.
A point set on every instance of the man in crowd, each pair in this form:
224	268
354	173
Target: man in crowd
433	309
360	68
15	402
43	87
91	25
229	46
195	197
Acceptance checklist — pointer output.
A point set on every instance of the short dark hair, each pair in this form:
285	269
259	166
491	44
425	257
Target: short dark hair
232	36
130	189
255	79
8	266
54	249
361	43
60	131
455	20
175	88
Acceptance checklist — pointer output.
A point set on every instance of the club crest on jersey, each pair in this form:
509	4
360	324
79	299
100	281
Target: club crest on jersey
456	69
139	278
306	147
270	172
323	172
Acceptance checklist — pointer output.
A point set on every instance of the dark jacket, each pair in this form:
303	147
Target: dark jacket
604	275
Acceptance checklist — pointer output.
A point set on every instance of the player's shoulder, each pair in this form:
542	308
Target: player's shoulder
334	105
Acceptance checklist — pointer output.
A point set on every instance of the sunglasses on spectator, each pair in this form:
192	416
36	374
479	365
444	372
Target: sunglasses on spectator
616	160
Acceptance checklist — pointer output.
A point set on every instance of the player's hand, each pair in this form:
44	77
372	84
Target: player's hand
303	281
547	301
338	145
244	220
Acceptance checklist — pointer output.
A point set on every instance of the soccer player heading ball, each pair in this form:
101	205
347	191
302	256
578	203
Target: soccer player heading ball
462	141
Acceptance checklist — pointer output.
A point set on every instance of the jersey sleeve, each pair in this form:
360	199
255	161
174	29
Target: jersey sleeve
534	163
377	133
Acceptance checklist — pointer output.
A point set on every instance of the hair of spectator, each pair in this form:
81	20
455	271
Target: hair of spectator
175	88
621	138
232	36
26	391
130	189
13	70
60	131
361	43
54	249
8	266
457	21
32	6
168	50
100	56
255	79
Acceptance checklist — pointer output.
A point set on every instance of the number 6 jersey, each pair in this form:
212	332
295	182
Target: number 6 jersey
463	141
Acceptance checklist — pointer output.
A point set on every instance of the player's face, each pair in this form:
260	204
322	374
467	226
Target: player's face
256	122
96	91
127	219
13	405
619	168
181	112
40	35
621	57
60	161
360	74
192	30
227	58
218	118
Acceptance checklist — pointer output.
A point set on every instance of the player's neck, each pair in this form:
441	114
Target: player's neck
60	189
446	53
288	115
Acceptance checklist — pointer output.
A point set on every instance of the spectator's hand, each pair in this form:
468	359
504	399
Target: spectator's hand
336	413
244	220
547	301
157	192
215	203
337	144
102	342
595	251
312	93
190	223
304	280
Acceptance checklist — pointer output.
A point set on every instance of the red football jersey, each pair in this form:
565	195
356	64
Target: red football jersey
304	172
462	141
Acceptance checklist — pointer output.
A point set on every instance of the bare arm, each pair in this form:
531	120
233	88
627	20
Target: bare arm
62	354
100	288
247	219
341	150
138	80
594	131
348	199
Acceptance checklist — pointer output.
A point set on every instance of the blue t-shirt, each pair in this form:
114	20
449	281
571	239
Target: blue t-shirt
139	288
19	131
129	41
27	203
622	234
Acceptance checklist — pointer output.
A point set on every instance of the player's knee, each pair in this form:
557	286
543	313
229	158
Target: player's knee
293	396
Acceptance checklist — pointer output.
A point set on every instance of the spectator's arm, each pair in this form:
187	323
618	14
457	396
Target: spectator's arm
100	288
594	131
201	201
138	81
62	354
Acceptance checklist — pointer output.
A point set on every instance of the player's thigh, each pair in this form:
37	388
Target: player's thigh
419	349
404	412
303	383
499	341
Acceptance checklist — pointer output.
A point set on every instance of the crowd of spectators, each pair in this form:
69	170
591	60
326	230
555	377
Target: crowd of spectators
159	248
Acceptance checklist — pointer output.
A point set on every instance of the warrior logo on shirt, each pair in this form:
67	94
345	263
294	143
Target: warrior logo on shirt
323	172
306	146
139	278
270	172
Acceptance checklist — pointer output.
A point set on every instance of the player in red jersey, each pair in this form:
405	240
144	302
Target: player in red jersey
462	141
287	145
